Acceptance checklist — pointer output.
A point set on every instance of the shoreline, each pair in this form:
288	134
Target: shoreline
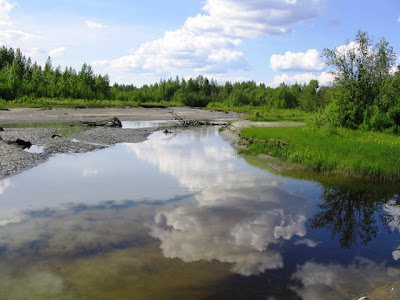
14	160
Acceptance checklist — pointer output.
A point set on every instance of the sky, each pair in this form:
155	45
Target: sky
140	42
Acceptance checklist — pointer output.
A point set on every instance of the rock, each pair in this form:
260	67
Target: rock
1	129
23	144
54	136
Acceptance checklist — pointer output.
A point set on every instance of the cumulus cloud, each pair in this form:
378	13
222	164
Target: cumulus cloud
58	52
209	42
260	212
333	281
10	36
324	78
5	10
295	61
181	49
93	25
393	211
249	19
4	184
90	172
306	242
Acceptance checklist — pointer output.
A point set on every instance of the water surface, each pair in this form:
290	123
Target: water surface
183	216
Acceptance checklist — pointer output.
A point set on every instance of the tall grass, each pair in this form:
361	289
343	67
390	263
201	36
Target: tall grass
266	114
359	154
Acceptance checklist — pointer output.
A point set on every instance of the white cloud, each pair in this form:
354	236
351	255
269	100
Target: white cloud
294	61
58	52
393	210
209	42
35	52
261	212
4	184
182	49
306	242
342	282
5	10
90	172
249	19
93	25
324	78
11	36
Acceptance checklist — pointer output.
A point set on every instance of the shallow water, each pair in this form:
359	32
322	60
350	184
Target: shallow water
183	216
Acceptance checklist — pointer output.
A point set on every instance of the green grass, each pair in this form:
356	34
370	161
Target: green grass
266	114
278	115
347	152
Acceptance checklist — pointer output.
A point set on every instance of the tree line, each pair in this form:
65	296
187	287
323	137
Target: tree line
365	93
19	78
200	91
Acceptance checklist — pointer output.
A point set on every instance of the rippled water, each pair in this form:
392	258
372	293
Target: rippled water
183	216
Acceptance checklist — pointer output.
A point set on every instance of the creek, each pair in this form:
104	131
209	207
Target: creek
183	216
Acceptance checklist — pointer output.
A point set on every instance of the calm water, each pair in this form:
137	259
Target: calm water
184	217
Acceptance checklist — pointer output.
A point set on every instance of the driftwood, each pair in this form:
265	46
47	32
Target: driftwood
186	122
113	122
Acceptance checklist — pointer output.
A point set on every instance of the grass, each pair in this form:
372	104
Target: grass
266	114
347	152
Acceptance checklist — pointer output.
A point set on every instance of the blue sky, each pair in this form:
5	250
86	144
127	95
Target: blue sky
139	42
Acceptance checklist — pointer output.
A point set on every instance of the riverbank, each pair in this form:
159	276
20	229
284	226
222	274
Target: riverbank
348	153
53	131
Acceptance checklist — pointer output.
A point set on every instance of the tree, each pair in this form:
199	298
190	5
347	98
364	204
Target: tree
361	69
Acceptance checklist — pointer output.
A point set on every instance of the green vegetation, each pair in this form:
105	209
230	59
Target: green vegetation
365	97
365	94
352	153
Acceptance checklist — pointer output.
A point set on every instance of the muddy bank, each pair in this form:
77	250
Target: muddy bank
47	142
33	115
231	133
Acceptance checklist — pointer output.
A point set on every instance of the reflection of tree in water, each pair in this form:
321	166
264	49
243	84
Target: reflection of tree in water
352	213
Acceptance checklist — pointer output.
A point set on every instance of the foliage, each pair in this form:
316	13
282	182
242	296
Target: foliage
20	79
364	90
354	153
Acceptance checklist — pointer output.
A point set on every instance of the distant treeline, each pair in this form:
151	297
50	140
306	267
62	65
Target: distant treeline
202	91
365	93
19	78
22	79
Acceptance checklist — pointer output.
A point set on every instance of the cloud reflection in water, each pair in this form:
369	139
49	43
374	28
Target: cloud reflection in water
235	216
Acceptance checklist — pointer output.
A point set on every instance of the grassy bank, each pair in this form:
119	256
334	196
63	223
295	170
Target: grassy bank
266	114
347	152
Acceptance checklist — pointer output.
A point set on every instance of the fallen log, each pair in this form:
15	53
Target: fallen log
187	122
113	122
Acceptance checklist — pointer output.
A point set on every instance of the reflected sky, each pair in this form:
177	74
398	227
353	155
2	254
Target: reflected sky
187	201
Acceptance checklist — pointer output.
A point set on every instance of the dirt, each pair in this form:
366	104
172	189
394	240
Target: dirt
14	160
383	292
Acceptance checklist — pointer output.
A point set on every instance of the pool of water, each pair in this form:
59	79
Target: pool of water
184	217
148	124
